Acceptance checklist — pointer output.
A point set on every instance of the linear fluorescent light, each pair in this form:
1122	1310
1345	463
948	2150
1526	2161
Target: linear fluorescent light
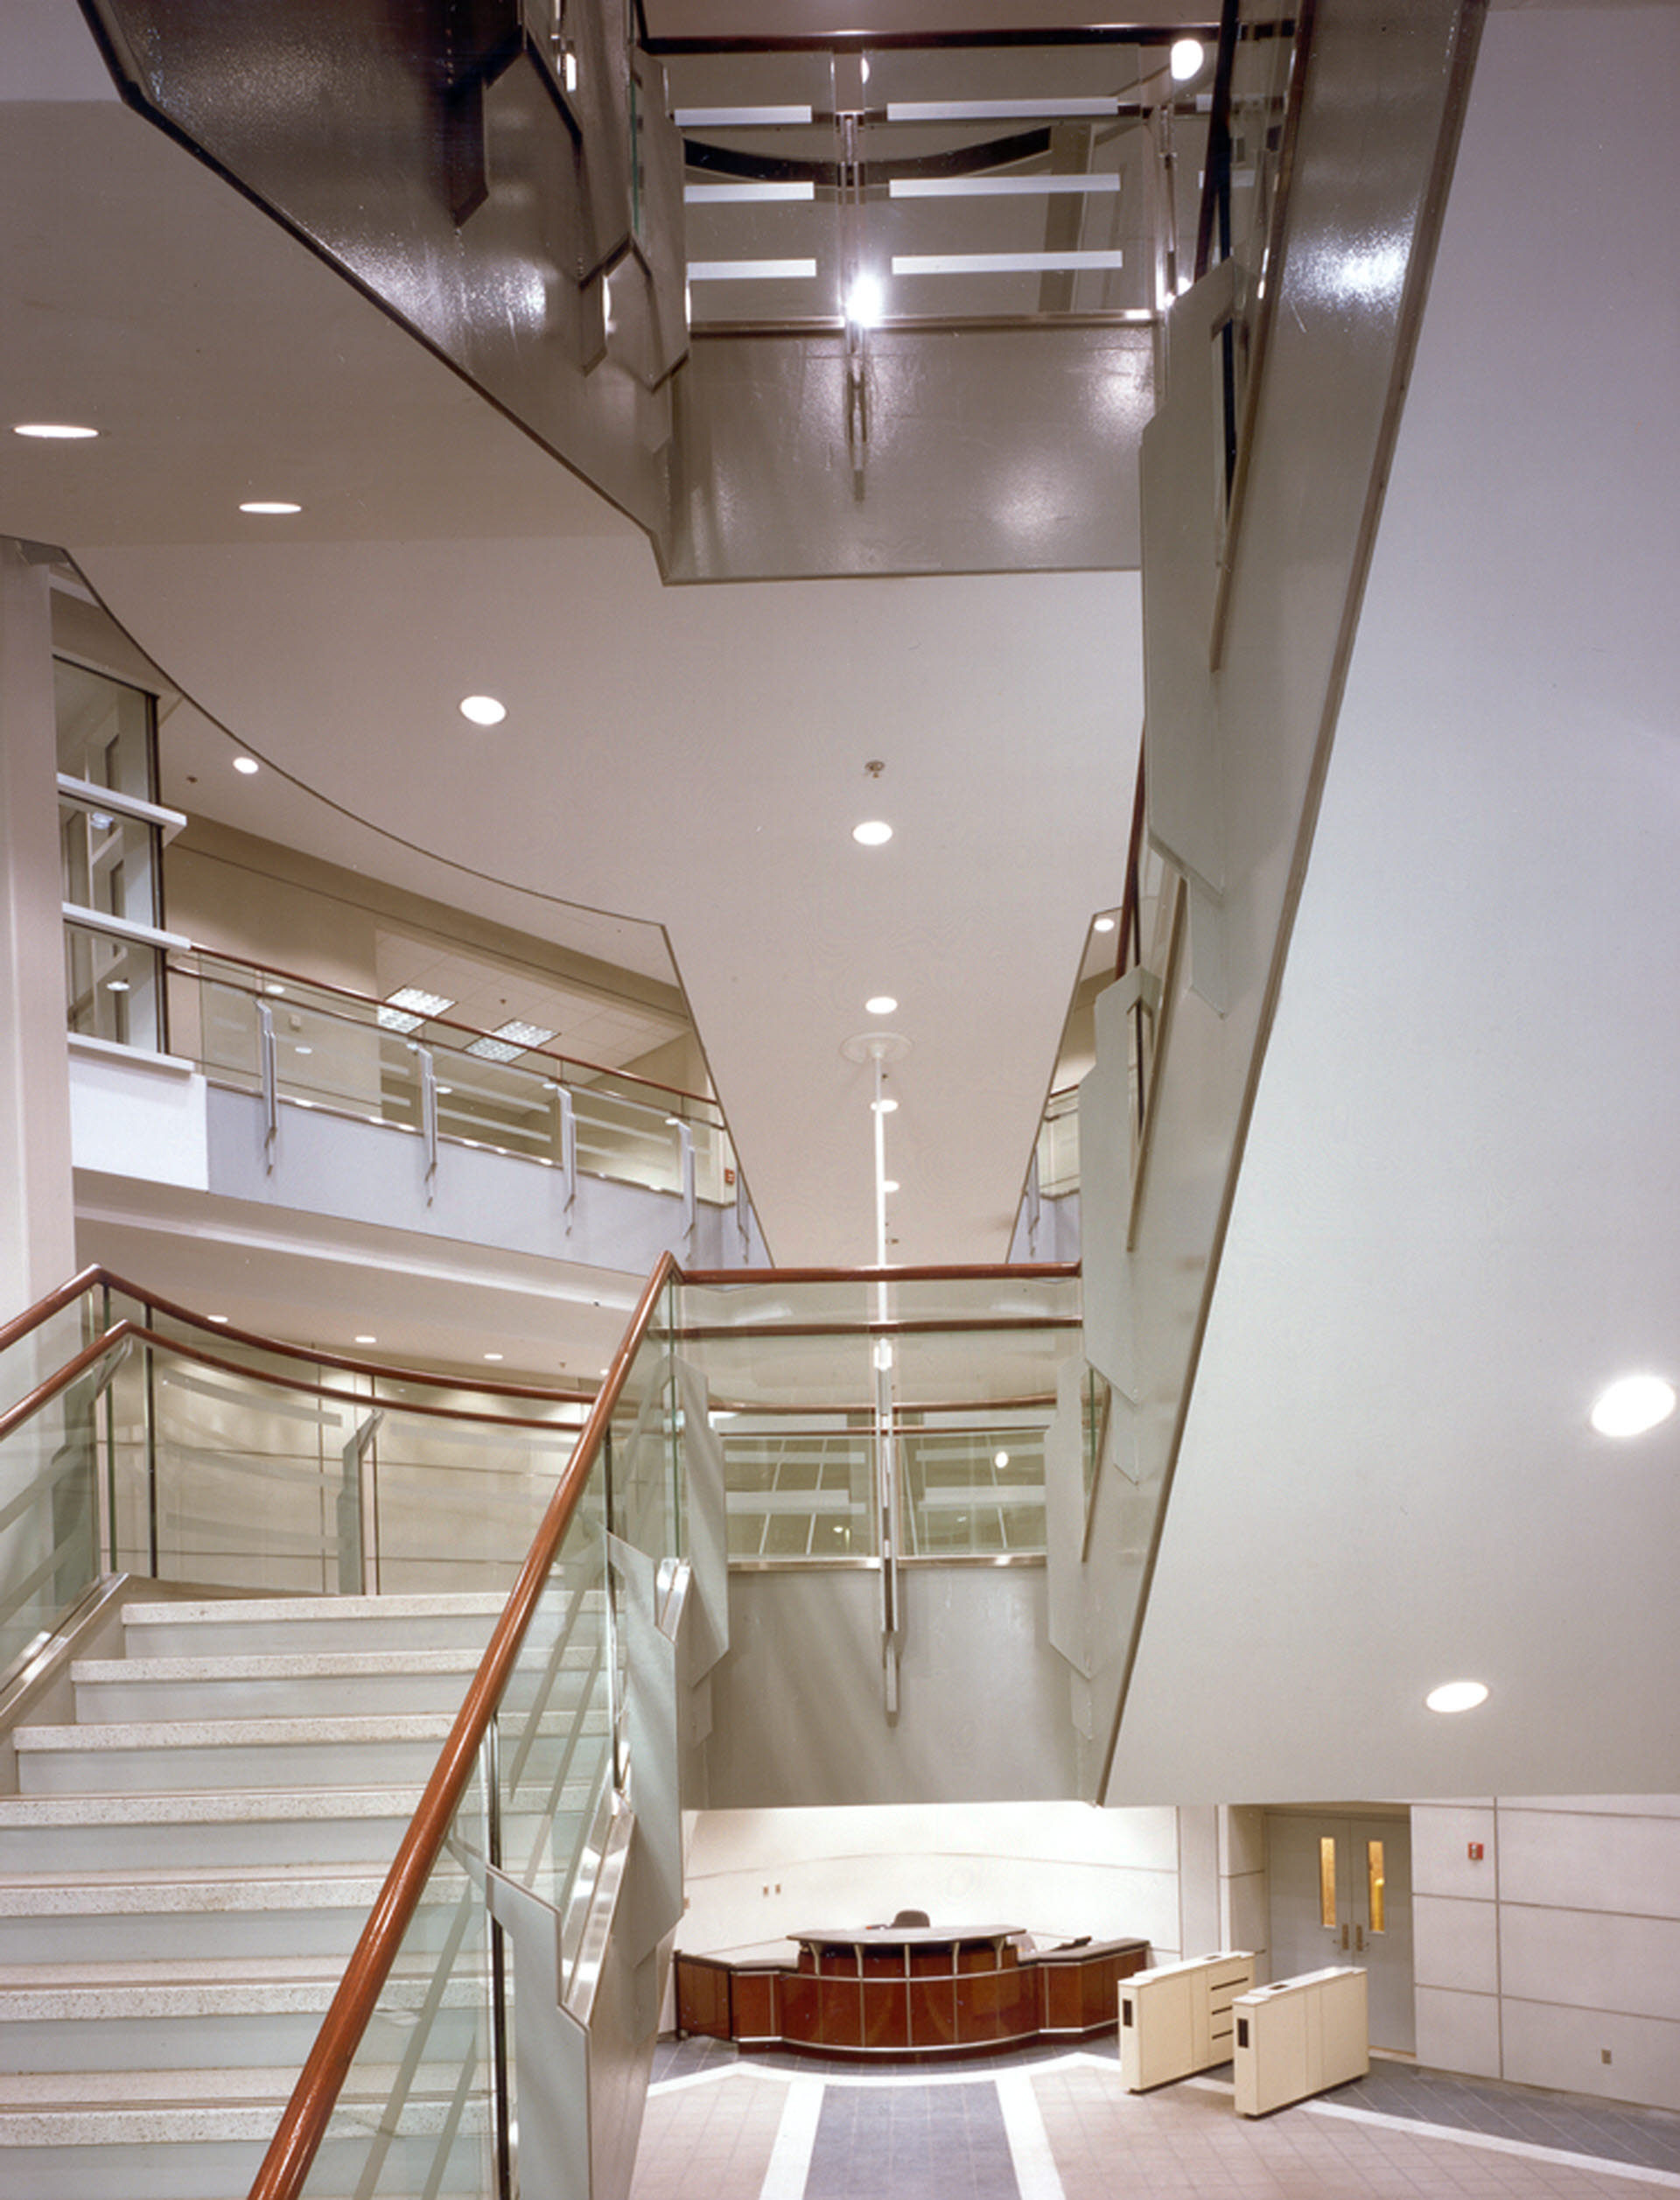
751	271
55	431
524	1035
745	194
740	117
1001	262
1000	110
995	187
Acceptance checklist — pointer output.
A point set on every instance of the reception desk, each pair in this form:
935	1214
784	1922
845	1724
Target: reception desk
907	1991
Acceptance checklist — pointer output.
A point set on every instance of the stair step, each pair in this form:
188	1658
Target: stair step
300	1684
234	1626
211	1830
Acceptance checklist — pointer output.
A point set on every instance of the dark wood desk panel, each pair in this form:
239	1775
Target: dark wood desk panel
917	1992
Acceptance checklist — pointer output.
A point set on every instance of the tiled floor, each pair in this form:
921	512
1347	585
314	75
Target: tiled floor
1058	2125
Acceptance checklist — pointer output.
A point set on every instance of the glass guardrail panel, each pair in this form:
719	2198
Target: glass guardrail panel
325	1059
645	1446
50	1551
230	1037
555	1719
1058	1148
113	988
457	1504
248	1480
415	2112
975	1490
1260	77
630	1140
489	1103
799	1486
27	1363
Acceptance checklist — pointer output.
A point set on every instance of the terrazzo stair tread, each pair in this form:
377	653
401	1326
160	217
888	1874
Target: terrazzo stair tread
317	1682
169	1971
116	1896
227	1627
141	2090
181	1756
238	1829
77	1999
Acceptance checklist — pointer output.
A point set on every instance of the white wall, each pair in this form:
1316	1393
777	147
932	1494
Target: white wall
1562	1943
1058	1869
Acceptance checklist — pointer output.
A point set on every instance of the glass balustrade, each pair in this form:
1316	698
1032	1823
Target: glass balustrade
957	184
815	1464
324	1048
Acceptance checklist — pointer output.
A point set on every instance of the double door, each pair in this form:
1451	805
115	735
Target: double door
1340	1891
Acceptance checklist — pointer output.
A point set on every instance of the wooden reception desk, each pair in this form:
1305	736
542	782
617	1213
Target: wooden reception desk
908	1991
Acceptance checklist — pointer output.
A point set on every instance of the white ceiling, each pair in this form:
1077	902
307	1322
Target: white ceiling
693	759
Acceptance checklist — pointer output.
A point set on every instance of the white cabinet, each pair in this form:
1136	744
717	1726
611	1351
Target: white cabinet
1298	2037
1176	2018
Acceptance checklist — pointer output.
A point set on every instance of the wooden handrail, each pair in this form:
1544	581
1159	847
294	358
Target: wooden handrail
304	2125
44	1393
45	1308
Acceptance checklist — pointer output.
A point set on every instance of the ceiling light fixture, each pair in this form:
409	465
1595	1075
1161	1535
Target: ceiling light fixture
1632	1404
493	1356
874	834
1186	58
884	1107
889	1183
866	300
247	765
1000	1459
215	1317
275	509
1103	924
55	431
483	709
879	1005
407	1008
366	1340
1457	1695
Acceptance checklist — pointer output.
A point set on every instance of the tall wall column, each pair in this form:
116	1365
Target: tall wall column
38	1241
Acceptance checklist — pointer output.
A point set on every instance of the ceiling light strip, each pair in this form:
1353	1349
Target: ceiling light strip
1002	110
1000	262
740	117
995	187
751	271
745	194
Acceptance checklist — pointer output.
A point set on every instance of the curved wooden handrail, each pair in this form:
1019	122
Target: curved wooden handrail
304	2125
106	1342
44	1309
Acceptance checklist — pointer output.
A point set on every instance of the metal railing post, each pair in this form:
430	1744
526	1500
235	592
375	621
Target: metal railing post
568	1151
268	1059
428	1119
685	1141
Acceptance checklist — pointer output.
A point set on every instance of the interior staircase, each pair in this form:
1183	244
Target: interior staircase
185	1870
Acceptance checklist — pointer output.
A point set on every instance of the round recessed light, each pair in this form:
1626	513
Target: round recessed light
1457	1695
1000	1459
874	834
889	1183
1103	924
215	1317
483	709
116	985
1632	1404
866	300
262	509
493	1356
886	1107
365	1340
246	764
879	1005
1187	57
55	431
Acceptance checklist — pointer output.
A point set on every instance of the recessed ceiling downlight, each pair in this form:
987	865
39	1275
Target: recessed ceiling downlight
1187	57
1457	1695
247	765
1632	1404
55	431
483	709
273	508
1103	924
873	833
879	1005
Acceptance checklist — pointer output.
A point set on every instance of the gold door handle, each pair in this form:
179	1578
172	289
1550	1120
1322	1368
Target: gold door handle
1344	1937
1359	1938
